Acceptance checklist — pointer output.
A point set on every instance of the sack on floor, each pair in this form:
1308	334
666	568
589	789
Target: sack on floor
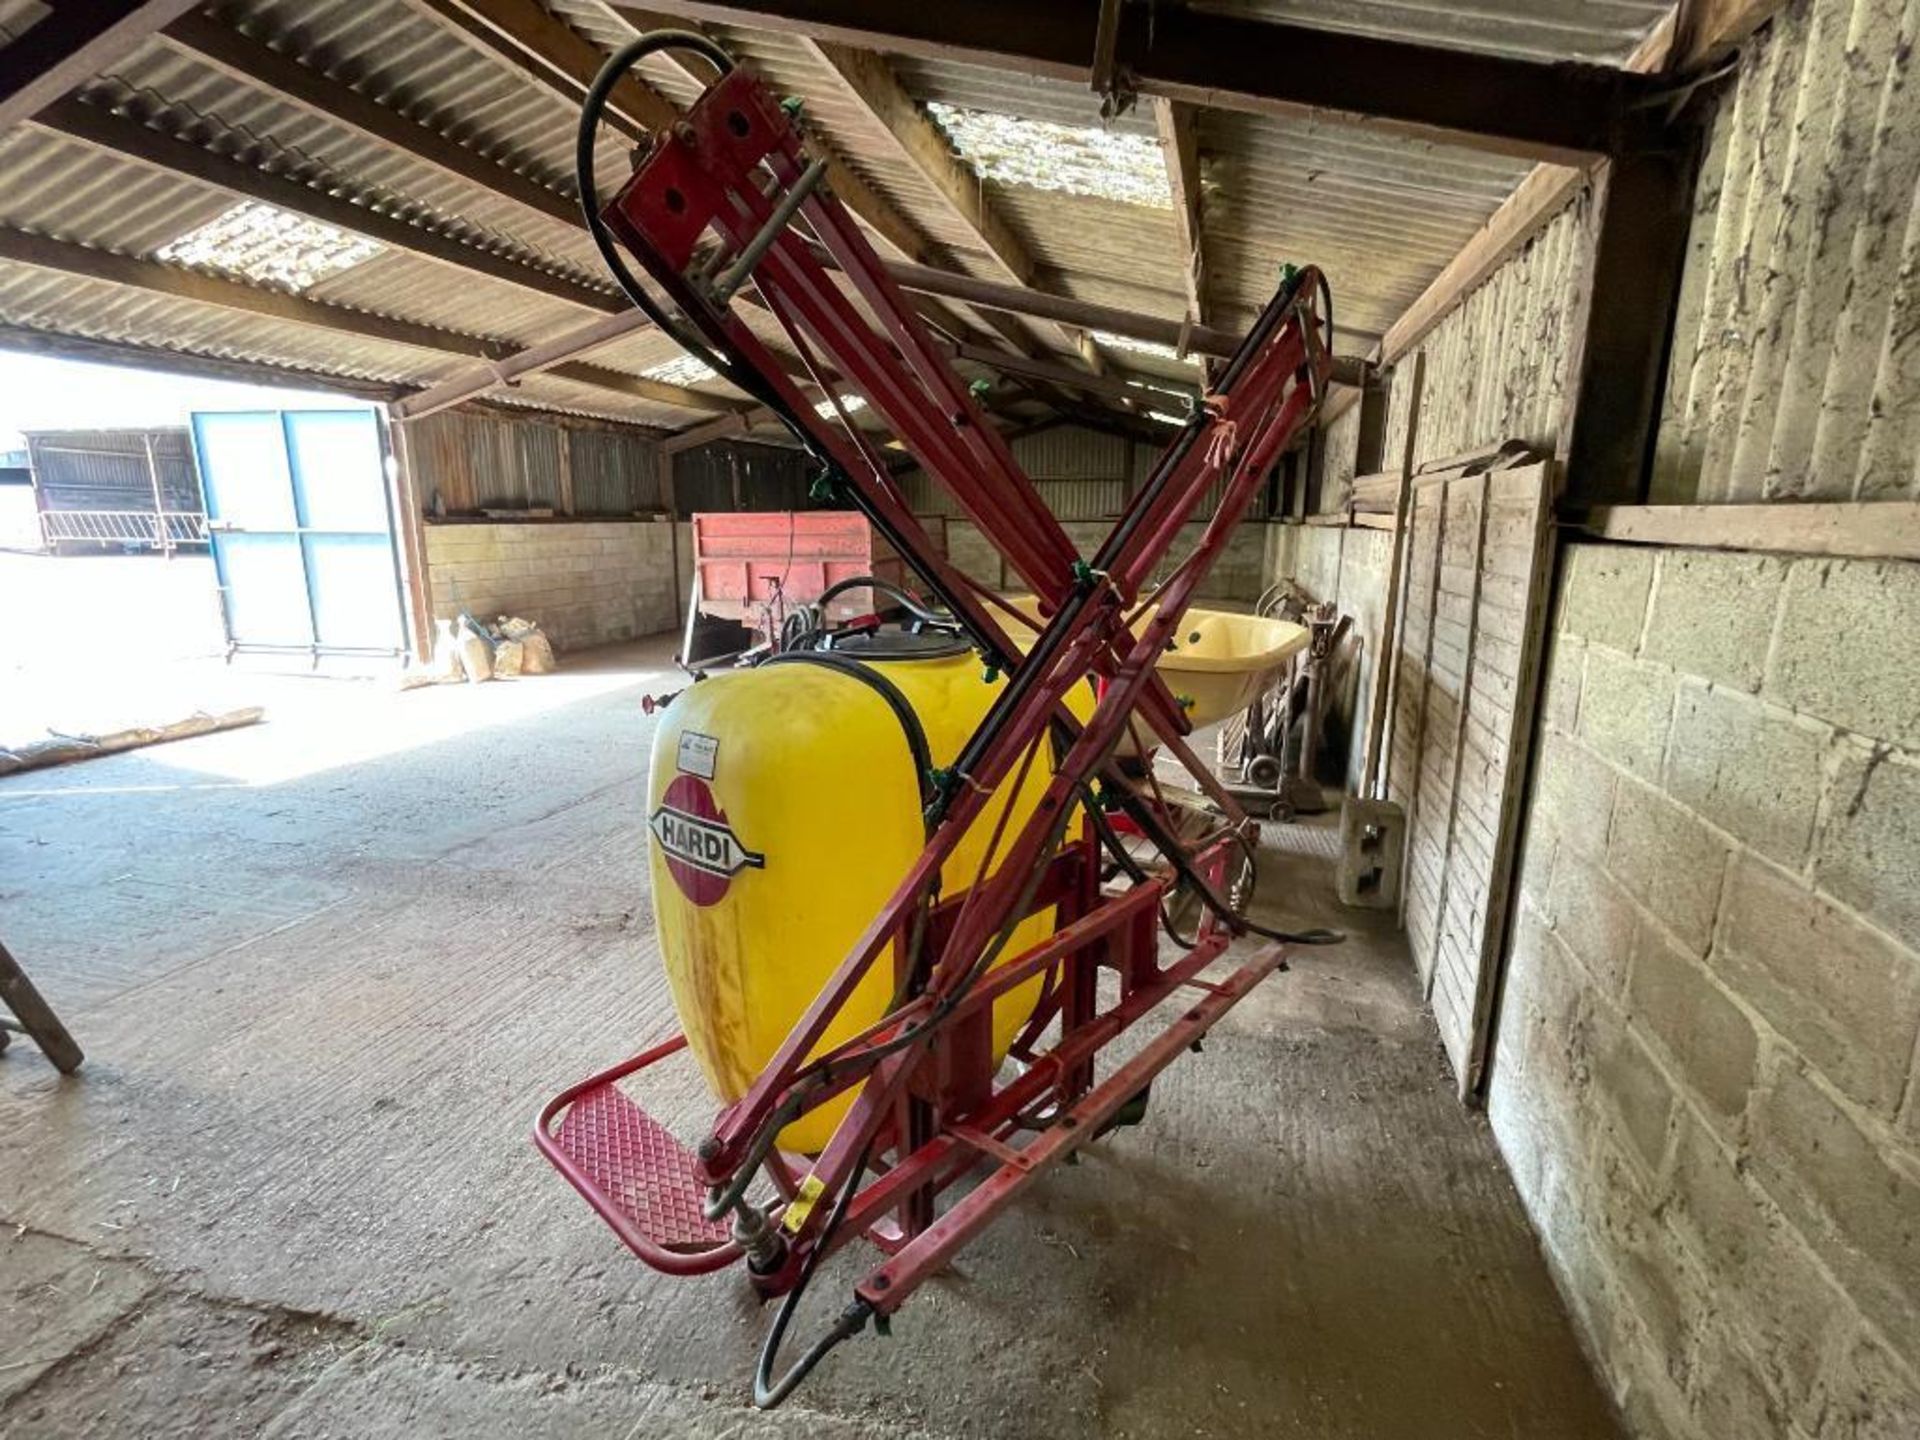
476	651
536	654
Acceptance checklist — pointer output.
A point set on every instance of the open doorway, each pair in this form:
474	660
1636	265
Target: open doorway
174	547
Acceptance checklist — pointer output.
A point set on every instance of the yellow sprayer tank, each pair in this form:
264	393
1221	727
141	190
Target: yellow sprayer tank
785	805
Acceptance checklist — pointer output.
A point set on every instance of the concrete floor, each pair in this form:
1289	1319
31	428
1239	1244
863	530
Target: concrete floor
116	641
327	969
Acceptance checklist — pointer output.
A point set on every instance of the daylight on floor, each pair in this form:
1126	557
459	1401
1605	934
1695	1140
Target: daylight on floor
1104	720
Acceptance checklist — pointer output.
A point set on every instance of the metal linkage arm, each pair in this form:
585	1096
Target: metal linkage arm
734	174
731	168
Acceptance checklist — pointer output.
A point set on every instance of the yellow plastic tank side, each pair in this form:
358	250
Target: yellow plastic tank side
812	774
951	696
815	805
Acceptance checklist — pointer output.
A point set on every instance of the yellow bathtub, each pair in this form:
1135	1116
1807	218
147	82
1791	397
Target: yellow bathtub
1218	661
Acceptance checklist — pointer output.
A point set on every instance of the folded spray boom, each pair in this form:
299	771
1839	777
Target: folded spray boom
1020	917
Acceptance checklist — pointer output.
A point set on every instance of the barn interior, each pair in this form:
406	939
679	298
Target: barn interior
1586	555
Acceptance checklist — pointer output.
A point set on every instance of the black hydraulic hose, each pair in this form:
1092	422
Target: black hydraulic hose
1169	846
903	598
1104	831
769	1392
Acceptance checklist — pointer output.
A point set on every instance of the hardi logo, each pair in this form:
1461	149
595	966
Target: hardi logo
702	852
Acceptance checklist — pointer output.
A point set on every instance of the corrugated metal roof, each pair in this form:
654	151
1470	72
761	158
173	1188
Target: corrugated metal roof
181	96
1099	247
1381	216
1597	31
390	51
58	186
1005	92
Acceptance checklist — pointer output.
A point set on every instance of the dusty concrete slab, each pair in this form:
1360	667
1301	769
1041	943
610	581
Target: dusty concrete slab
182	1367
60	1298
364	948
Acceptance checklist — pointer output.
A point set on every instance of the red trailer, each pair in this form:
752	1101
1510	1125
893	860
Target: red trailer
756	568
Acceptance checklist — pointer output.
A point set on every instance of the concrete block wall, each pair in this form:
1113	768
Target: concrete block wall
584	582
1705	1074
1238	575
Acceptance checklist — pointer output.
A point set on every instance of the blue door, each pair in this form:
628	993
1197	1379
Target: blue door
302	533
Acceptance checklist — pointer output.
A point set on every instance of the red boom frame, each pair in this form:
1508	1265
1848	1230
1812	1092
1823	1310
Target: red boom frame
932	1109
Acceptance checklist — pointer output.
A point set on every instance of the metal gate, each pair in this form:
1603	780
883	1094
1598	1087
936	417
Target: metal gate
302	530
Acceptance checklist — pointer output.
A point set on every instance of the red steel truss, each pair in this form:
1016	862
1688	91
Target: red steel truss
727	198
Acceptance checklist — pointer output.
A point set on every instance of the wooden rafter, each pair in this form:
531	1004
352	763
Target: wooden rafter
693	69
1179	146
130	272
70	46
126	137
254	62
867	80
1563	112
1707	31
552	53
1114	385
1011	299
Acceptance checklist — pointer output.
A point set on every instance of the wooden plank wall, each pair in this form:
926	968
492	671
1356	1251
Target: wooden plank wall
1476	573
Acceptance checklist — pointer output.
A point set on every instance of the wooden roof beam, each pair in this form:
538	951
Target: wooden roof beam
70	46
1180	148
1131	390
1708	31
867	80
128	138
1561	112
558	357
1010	299
254	62
554	54
84	262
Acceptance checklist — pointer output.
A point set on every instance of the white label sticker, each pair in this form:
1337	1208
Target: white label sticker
698	753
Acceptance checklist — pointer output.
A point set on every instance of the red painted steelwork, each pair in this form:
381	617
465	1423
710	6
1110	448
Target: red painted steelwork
636	1177
932	1106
